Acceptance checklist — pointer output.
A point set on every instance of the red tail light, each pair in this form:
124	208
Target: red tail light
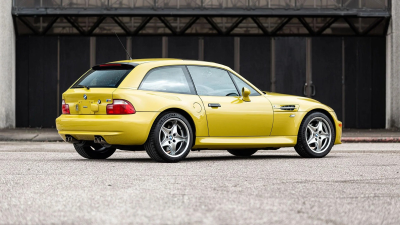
65	107
120	107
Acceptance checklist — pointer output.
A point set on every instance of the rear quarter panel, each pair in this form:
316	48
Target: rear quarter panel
151	101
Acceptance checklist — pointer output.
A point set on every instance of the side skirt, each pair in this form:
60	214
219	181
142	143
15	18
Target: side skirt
244	142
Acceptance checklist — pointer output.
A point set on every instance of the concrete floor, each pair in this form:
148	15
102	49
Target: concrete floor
48	183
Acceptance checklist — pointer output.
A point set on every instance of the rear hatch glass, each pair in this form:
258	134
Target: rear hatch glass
104	76
93	91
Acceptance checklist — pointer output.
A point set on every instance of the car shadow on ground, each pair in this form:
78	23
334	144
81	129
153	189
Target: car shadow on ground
203	158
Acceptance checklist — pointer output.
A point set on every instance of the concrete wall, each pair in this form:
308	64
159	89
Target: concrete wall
7	66
393	69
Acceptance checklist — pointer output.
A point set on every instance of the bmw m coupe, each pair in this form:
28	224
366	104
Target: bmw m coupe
169	107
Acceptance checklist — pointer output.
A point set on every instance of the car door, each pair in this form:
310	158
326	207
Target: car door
227	114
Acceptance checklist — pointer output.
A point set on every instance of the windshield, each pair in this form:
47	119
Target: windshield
102	78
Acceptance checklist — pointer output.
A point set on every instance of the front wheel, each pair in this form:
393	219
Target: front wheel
170	138
316	136
94	151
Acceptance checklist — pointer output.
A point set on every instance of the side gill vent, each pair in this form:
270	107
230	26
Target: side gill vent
288	107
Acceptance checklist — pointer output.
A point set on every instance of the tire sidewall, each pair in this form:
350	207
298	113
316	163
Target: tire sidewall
304	137
155	136
87	152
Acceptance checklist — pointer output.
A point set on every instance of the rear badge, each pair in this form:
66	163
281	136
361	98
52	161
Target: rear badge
85	97
99	101
108	100
77	107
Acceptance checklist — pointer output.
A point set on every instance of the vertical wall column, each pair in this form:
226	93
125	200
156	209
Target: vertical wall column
7	65
164	50
236	51
393	69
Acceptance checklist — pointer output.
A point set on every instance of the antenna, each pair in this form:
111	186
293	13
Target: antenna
123	46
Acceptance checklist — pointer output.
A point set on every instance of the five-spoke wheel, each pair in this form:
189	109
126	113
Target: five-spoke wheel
316	136
174	137
170	138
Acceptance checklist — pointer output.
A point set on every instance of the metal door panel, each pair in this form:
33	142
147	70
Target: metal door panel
219	50
255	61
290	65
236	118
183	47
327	72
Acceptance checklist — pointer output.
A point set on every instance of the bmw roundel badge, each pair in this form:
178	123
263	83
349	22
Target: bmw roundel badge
85	97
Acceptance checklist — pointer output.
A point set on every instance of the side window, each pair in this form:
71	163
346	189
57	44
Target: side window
211	81
168	79
240	84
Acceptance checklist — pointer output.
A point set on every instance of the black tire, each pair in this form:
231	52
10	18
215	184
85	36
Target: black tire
153	143
242	152
94	151
303	148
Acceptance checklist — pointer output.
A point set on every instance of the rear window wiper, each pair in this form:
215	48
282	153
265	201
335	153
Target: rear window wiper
84	86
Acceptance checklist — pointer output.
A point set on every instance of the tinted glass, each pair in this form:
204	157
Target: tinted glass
102	78
167	79
240	84
211	81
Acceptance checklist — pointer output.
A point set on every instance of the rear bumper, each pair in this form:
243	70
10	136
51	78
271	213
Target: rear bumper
115	129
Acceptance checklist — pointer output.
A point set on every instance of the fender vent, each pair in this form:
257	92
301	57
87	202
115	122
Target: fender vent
288	107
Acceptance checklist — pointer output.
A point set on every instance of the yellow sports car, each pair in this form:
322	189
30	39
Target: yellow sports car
171	106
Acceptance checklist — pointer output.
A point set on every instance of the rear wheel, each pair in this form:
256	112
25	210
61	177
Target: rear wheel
316	136
170	138
242	152
94	151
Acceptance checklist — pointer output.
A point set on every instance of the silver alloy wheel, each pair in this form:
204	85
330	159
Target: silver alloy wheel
174	137
318	134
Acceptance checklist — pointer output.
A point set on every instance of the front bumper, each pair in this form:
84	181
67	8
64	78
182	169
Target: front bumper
338	126
115	129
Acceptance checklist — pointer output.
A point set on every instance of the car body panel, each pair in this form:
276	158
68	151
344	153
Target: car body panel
245	142
304	106
115	129
260	123
152	101
75	98
237	118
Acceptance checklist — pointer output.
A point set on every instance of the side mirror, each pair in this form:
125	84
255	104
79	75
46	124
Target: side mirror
245	94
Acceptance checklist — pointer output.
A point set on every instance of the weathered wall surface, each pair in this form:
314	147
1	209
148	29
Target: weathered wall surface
7	66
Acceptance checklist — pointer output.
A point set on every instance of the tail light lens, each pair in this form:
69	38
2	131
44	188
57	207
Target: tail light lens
65	107
120	107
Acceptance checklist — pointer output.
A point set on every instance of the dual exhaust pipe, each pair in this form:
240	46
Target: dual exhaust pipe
100	140
72	140
97	140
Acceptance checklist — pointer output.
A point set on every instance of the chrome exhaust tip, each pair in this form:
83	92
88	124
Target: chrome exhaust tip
72	140
97	139
100	140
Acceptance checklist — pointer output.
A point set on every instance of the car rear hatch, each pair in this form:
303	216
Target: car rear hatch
93	91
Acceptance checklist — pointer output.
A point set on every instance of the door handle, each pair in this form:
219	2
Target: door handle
305	89
214	105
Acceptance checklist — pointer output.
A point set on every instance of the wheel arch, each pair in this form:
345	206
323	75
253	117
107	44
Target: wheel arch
183	113
323	111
